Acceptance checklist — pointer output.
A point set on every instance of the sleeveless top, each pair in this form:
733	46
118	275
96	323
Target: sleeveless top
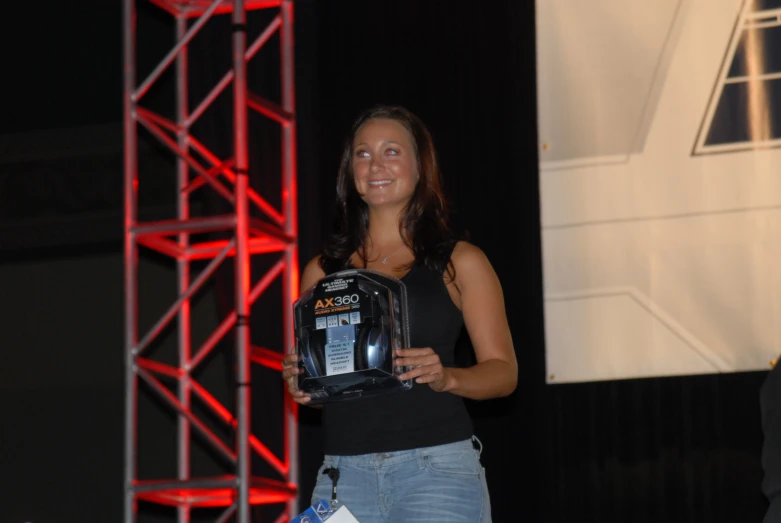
418	417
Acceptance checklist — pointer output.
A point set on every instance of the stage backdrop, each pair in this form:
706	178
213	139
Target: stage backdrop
660	182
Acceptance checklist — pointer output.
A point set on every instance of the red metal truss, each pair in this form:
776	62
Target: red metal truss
176	238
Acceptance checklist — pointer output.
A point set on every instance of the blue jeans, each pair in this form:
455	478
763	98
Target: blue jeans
441	484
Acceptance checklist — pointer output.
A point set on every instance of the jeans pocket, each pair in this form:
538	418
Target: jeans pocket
463	463
320	471
321	477
322	484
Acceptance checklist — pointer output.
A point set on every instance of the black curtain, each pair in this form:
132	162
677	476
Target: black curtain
666	449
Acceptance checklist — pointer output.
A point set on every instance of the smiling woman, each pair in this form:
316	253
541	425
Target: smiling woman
411	457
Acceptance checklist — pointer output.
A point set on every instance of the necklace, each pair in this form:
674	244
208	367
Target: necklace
385	260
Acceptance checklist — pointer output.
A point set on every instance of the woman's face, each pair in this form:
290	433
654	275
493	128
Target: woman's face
385	165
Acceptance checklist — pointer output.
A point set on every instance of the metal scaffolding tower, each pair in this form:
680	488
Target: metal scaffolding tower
276	233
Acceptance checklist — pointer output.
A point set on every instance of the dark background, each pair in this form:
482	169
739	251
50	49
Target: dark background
663	449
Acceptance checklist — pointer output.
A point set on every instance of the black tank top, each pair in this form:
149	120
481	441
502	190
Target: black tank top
418	417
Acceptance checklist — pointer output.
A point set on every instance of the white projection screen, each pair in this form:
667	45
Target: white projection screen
660	185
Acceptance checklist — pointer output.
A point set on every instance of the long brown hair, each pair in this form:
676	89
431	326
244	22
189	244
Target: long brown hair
424	224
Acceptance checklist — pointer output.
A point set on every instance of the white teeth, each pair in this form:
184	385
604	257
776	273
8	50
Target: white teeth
379	183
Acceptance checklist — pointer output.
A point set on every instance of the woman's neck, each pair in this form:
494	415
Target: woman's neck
384	228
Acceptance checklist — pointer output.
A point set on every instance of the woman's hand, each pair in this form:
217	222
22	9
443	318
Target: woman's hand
426	368
290	371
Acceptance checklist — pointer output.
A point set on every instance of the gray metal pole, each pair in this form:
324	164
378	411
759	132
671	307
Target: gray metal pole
290	212
183	266
242	259
130	253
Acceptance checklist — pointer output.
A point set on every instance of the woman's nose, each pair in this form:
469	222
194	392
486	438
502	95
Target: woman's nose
377	164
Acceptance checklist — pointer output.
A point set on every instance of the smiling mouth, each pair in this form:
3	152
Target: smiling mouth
379	183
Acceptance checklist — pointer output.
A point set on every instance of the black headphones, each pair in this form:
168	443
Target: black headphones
372	342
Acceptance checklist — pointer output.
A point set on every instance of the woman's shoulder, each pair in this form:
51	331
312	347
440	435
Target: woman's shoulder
314	262
312	272
469	259
466	253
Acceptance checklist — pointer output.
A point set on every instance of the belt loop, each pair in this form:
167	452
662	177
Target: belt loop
479	450
420	454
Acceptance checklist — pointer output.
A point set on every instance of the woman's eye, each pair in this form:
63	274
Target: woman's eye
361	154
391	152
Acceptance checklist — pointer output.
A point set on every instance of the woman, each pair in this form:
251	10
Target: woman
410	457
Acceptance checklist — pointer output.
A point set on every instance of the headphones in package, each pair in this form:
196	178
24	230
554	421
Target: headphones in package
372	347
347	328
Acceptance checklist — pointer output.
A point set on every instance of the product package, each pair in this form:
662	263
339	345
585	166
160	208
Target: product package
348	327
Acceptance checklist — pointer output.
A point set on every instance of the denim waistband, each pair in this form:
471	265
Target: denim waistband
400	456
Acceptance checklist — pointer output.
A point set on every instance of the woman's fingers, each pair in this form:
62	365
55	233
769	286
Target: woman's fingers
301	397
417	361
415	352
416	357
434	371
426	367
290	371
429	378
292	386
290	360
289	366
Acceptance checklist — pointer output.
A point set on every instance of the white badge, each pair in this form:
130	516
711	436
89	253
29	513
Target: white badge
342	515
